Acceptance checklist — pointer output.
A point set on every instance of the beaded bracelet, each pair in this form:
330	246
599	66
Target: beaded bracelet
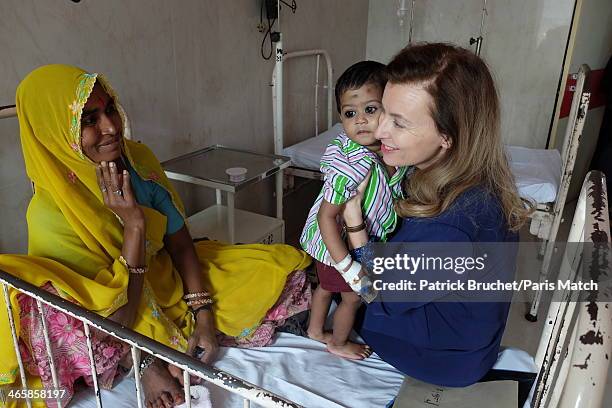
145	363
138	270
196	295
198	302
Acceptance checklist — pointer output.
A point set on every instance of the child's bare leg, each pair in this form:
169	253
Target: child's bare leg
344	317
321	299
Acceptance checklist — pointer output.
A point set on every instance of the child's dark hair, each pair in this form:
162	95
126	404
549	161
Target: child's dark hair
359	74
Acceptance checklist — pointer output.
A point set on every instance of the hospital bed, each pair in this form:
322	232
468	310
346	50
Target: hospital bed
542	176
295	371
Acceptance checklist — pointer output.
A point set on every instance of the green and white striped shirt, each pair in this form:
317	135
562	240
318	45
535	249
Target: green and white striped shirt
344	165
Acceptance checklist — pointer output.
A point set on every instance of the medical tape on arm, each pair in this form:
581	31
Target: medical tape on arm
341	266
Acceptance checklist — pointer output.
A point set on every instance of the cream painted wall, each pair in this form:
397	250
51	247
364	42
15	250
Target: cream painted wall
524	43
189	73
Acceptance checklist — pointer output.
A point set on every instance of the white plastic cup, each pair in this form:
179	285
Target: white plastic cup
236	174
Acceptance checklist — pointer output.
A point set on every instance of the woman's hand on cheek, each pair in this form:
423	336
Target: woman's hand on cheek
118	195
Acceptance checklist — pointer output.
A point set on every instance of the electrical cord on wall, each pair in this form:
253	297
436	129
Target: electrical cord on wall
274	36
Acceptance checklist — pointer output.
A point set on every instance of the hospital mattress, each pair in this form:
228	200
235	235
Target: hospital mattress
294	367
537	171
301	370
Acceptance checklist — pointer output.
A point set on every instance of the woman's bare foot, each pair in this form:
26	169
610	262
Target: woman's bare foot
160	388
350	350
323	336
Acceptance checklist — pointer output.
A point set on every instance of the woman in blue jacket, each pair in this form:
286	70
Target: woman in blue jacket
441	115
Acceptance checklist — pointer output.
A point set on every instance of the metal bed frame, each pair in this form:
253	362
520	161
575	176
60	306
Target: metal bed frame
138	343
547	218
572	371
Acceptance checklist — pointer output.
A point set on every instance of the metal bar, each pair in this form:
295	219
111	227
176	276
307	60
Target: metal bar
187	386
568	263
559	384
278	181
556	312
573	375
218	196
49	350
580	104
231	218
92	362
246	403
557	349
590	360
277	98
22	374
136	368
569	137
277	90
195	367
8	111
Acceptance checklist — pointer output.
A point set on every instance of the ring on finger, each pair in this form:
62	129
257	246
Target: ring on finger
103	189
118	192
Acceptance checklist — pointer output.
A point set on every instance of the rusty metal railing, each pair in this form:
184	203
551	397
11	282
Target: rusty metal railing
575	347
138	343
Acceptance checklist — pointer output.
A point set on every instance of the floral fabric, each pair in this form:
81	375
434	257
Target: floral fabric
295	298
69	345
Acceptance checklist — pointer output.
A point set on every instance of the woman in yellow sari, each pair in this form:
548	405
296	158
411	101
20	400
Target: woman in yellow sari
106	230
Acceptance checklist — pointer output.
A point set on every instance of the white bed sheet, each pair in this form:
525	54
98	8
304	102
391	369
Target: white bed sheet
294	367
302	371
537	171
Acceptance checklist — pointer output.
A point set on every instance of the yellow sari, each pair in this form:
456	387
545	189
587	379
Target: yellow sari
75	240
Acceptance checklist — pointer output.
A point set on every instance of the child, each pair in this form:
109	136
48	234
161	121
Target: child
345	164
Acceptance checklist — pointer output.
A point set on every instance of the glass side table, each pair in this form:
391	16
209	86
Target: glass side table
207	167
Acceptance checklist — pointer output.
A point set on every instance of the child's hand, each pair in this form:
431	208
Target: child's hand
352	213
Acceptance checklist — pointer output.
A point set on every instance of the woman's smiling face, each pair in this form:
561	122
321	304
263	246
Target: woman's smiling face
406	129
101	127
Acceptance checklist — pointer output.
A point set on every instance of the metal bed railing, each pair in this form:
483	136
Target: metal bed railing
546	220
575	346
277	102
138	343
7	111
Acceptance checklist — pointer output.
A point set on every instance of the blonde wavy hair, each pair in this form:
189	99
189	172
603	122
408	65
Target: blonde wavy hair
466	110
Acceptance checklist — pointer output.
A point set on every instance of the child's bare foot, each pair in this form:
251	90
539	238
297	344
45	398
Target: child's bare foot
350	350
160	388
323	337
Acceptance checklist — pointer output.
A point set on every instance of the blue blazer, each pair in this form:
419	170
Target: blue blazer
448	344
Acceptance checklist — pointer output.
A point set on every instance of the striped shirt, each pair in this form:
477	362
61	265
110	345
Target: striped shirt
345	165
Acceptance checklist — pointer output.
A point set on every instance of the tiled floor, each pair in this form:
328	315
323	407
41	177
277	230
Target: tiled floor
519	332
